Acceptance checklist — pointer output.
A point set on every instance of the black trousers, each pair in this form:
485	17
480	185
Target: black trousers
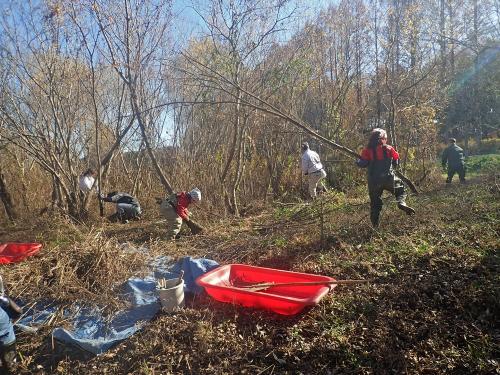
460	169
375	189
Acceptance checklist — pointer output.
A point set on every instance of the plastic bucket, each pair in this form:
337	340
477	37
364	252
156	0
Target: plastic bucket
172	296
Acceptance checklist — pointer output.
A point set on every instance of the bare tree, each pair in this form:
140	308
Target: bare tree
239	34
44	108
135	35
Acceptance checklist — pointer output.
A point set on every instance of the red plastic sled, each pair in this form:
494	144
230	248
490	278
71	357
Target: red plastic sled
222	284
13	252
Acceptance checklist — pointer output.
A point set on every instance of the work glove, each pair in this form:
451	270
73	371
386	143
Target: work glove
10	307
362	163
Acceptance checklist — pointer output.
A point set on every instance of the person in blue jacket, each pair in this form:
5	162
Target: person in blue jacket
9	312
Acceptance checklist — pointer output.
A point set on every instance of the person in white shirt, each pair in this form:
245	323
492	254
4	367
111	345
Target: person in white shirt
312	168
87	180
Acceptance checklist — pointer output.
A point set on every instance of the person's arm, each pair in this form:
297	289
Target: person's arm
182	205
306	163
11	308
364	160
113	199
394	157
362	163
444	158
105	198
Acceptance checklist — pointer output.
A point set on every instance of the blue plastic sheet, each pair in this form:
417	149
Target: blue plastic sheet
96	333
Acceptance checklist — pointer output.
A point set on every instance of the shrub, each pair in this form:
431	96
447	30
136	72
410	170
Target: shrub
483	163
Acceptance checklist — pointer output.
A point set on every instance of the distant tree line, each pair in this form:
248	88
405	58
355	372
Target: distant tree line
107	84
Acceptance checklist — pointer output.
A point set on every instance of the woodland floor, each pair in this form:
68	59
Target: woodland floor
433	306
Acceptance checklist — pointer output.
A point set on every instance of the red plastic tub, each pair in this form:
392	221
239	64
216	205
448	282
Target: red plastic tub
12	252
222	285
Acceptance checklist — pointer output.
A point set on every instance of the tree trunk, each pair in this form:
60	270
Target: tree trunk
138	115
442	42
6	199
451	14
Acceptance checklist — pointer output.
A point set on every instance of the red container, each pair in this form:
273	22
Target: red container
12	252
222	284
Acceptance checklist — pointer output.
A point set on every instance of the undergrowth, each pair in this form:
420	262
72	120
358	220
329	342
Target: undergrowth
431	306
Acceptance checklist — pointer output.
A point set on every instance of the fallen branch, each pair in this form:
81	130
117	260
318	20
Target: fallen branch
194	226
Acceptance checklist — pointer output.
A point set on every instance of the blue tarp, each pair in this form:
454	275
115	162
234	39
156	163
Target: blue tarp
95	333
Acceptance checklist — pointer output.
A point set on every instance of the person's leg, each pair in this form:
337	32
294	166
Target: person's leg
174	221
451	173
125	211
321	183
376	203
137	213
174	225
131	211
461	173
312	180
7	341
400	194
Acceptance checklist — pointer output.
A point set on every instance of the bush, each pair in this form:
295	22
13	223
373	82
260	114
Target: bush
486	146
483	163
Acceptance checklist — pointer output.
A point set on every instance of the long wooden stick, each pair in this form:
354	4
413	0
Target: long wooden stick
263	286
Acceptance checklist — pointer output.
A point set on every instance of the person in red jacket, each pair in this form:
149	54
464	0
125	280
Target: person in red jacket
380	158
175	210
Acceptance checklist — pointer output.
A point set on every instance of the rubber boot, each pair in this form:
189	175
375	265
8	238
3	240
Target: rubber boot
8	357
375	218
402	206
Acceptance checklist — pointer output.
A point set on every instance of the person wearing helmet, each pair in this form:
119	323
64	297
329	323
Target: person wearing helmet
175	210
127	206
380	158
312	168
454	156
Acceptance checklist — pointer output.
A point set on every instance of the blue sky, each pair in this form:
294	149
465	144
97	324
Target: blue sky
188	22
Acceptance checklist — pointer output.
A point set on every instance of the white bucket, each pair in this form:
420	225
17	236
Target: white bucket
172	295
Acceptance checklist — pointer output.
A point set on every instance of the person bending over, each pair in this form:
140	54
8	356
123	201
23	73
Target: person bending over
175	210
127	206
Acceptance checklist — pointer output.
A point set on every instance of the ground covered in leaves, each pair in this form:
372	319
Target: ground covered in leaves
432	306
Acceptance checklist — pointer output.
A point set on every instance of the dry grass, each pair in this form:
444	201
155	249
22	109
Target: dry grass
433	309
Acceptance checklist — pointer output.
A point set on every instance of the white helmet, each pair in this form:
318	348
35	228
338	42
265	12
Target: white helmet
195	195
380	133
